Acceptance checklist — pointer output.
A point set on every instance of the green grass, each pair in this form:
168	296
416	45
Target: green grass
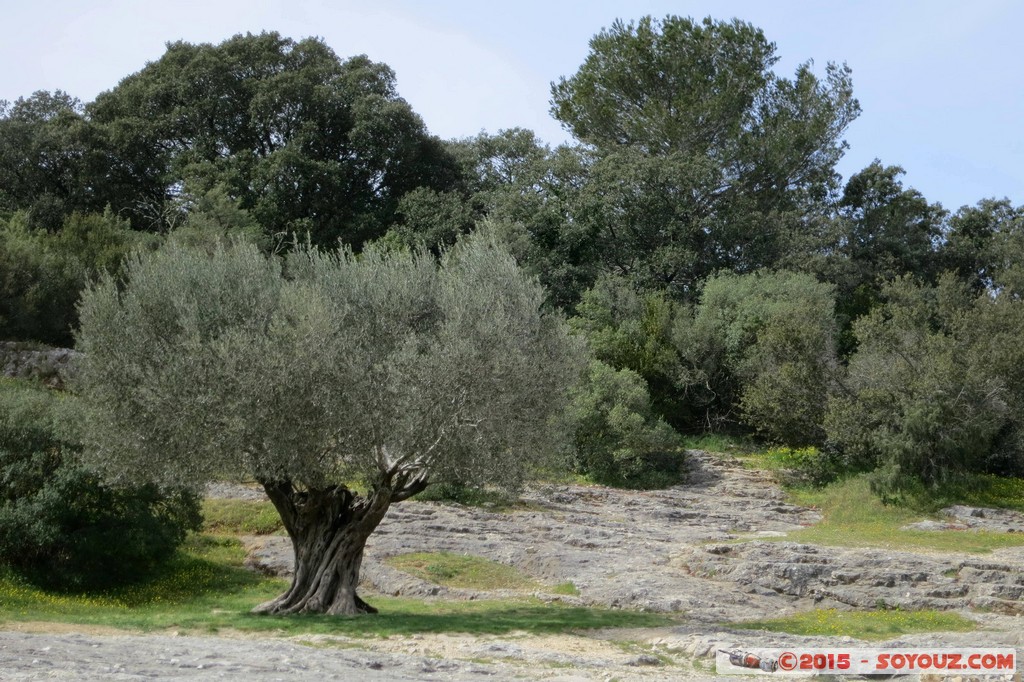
716	442
979	490
193	590
206	589
567	588
241	517
855	517
778	458
867	625
472	572
462	571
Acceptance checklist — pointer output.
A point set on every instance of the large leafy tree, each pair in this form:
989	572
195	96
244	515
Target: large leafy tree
51	158
304	140
388	370
883	231
702	157
984	245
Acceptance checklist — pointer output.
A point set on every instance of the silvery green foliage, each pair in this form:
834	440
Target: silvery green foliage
326	368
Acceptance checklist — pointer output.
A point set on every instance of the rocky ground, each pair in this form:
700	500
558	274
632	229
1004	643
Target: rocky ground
30	361
671	551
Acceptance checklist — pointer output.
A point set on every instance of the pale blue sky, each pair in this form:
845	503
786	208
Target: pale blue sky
940	81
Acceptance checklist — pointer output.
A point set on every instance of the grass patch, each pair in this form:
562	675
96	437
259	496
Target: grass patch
645	649
855	517
241	517
716	442
867	625
205	589
779	458
978	490
462	571
567	588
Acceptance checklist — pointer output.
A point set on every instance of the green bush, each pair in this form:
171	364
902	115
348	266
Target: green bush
802	465
42	274
760	352
59	524
920	403
618	439
38	287
632	330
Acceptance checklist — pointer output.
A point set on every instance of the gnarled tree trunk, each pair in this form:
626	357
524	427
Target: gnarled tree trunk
328	528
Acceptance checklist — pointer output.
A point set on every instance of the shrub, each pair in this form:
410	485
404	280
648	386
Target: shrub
59	524
803	465
42	274
760	349
632	330
38	287
919	404
618	439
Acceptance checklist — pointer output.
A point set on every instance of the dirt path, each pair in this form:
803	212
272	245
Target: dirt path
669	551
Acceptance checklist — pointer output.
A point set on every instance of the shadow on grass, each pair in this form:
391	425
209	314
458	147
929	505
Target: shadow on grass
205	588
206	572
407	617
209	566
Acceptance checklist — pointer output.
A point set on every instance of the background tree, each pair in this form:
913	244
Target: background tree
884	231
42	273
529	193
388	369
701	157
992	333
984	245
632	330
432	219
303	140
51	159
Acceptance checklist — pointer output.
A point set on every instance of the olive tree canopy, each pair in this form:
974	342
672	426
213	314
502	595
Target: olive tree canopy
388	369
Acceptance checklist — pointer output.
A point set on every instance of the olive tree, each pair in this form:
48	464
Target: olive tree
341	383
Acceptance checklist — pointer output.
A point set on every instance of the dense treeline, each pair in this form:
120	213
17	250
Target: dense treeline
696	235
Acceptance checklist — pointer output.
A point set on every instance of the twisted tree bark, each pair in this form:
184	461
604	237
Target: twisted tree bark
328	528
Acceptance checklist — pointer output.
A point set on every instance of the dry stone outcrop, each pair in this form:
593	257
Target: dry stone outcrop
52	366
713	548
